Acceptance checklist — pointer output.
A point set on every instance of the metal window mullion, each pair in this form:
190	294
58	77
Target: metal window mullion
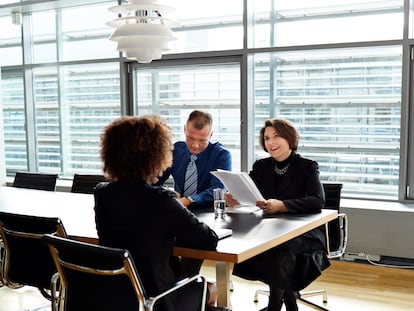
406	169
406	175
247	125
126	87
155	77
29	94
247	112
64	134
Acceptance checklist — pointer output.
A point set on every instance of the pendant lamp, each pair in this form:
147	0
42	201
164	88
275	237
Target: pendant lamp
141	31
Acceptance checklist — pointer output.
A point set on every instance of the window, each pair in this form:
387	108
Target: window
207	25
347	106
84	33
175	91
341	70
10	43
70	116
54	112
14	120
290	23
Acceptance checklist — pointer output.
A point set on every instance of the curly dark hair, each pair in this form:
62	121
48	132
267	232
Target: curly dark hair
136	148
285	129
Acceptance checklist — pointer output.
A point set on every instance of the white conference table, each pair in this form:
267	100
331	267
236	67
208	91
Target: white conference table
74	209
252	233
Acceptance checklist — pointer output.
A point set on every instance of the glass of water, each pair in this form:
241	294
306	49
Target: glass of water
219	203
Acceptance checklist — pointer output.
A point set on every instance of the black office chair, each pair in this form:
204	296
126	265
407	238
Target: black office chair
37	181
94	277
25	259
336	237
86	183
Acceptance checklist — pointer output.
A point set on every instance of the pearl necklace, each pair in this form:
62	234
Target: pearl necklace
281	171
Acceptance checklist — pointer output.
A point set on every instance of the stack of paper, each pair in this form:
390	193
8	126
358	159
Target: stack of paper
242	188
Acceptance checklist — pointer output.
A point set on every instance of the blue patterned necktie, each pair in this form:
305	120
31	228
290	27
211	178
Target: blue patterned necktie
191	176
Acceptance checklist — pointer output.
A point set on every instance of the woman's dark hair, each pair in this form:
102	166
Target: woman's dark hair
285	129
136	148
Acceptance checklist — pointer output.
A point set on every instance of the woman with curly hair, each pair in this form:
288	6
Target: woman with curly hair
147	220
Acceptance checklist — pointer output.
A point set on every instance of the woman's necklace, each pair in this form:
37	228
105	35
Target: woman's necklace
281	171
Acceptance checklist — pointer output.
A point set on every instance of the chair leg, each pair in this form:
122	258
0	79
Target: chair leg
311	304
312	293
264	292
300	297
317	292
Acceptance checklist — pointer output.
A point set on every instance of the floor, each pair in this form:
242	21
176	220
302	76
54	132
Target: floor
350	287
22	299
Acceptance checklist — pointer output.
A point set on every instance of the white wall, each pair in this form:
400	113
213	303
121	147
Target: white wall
2	157
380	228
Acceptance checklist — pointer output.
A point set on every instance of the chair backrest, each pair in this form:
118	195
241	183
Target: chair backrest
37	181
86	183
94	277
336	230
332	195
26	260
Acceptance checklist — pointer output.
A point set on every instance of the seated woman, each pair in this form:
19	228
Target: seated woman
147	220
290	184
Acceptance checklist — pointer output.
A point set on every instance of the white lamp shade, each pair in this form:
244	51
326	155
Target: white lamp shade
139	5
142	42
144	55
142	19
141	31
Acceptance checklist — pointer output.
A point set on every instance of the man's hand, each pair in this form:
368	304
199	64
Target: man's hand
185	201
230	200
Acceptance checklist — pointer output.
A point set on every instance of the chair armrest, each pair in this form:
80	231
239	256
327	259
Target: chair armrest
343	237
149	303
1	260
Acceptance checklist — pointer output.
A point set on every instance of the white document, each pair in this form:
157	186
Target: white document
243	189
222	232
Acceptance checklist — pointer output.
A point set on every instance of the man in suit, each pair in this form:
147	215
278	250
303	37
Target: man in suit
209	157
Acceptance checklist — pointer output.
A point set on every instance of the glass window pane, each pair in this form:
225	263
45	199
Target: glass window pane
44	37
85	35
46	101
174	92
14	120
208	25
287	22
347	106
69	122
10	43
91	100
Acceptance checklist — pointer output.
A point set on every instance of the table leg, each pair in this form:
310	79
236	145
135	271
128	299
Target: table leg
222	282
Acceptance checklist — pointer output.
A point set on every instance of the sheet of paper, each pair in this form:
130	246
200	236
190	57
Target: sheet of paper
222	232
243	209
241	186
